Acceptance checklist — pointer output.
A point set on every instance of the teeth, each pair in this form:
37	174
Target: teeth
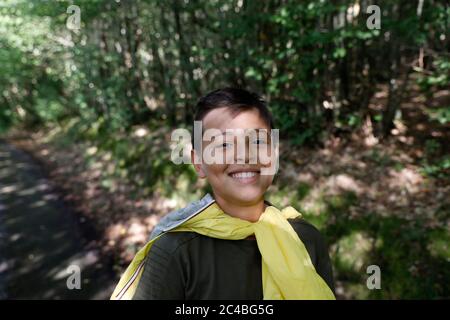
242	175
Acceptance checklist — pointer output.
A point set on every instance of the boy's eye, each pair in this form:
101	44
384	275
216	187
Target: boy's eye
225	145
259	141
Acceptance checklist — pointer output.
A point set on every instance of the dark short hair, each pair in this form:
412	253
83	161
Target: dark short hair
236	99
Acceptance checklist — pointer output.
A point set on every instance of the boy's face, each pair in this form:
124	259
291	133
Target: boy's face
237	184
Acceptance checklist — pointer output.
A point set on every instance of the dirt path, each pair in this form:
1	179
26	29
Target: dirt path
40	237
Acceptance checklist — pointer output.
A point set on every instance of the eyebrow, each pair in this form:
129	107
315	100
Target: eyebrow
245	130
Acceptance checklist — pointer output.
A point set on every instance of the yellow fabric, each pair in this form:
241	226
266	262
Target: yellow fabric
287	270
127	285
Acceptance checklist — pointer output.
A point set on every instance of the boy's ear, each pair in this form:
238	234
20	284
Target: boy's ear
196	162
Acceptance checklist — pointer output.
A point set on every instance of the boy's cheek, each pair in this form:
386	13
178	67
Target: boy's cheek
267	180
213	171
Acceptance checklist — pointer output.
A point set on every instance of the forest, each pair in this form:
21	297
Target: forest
359	89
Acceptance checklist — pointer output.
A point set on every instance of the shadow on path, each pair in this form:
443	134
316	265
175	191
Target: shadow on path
40	237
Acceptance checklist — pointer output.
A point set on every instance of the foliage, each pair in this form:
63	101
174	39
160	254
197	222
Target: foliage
143	64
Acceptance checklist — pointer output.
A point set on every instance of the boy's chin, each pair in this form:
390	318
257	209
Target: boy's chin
246	198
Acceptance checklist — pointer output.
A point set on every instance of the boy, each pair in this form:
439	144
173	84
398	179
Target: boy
232	244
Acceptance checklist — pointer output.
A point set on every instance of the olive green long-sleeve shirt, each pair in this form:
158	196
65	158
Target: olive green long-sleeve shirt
187	265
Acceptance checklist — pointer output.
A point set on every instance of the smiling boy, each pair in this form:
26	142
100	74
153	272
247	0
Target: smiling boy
232	244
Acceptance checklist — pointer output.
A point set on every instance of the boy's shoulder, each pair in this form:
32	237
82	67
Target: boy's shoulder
177	217
306	230
171	242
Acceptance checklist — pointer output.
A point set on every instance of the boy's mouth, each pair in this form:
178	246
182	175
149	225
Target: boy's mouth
245	176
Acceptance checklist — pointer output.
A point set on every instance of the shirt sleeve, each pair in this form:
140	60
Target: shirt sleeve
162	278
323	263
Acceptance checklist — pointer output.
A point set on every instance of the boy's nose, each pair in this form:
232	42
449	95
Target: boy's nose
244	154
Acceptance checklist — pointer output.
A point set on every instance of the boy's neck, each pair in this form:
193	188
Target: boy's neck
250	212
